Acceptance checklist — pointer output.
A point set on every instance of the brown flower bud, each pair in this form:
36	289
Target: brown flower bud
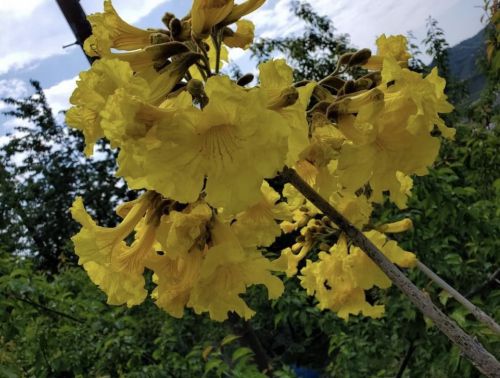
360	57
245	79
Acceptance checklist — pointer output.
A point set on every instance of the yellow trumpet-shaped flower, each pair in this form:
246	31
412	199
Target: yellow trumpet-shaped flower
180	231
338	279
335	284
386	145
205	14
227	270
394	46
395	227
241	10
224	146
243	36
427	95
97	248
276	78
109	31
175	278
257	226
90	96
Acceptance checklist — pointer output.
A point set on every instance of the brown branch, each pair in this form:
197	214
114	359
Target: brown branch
470	347
479	314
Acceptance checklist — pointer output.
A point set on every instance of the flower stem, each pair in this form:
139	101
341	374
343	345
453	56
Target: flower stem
470	347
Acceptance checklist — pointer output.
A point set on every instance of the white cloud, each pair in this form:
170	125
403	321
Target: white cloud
363	20
32	30
14	88
58	95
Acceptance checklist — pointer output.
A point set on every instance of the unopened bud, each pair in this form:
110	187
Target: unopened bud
349	87
333	81
375	77
360	57
175	27
197	90
195	87
345	58
158	38
167	17
363	83
245	79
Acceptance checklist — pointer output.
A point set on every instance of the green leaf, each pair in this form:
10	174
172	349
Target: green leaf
229	339
241	352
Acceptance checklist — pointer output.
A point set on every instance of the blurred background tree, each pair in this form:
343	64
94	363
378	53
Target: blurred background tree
55	322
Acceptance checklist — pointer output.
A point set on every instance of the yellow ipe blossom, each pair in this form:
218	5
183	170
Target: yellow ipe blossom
223	147
427	95
276	83
241	10
109	31
388	143
110	263
394	46
226	271
93	89
242	37
257	226
205	14
338	279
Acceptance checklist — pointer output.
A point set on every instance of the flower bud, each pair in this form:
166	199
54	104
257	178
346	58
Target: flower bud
245	79
360	57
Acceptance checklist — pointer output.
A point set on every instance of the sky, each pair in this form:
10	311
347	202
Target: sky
33	33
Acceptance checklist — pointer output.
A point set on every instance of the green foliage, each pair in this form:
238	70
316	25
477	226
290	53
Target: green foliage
42	169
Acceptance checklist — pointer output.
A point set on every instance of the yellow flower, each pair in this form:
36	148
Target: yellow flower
243	36
257	226
110	263
338	279
205	14
276	79
395	227
394	46
179	231
227	270
225	146
426	94
382	141
109	31
338	287
241	10
175	279
93	89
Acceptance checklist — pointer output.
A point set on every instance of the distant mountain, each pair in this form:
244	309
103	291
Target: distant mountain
463	60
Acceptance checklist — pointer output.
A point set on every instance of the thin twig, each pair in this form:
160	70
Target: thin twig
470	347
491	278
476	311
42	307
406	359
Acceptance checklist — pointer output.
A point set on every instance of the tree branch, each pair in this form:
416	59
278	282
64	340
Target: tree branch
470	347
476	311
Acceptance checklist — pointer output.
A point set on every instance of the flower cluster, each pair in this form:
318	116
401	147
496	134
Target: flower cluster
201	149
